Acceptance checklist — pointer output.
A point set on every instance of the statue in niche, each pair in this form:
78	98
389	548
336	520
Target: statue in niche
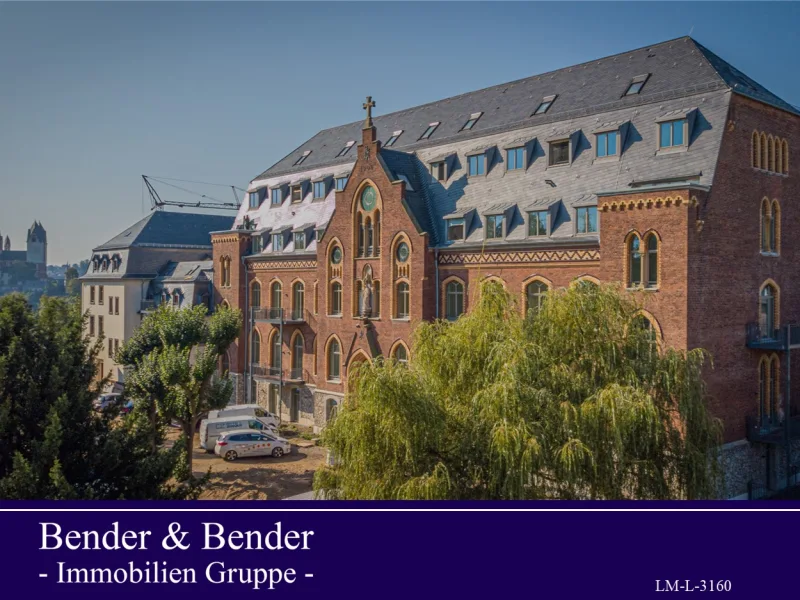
366	293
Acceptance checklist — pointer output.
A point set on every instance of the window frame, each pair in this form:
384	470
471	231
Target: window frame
519	158
404	293
684	121
605	135
578	210
551	146
276	196
459	299
302	158
277	242
320	186
493	220
471	121
480	165
546	214
344	185
299	235
429	131
345	149
393	139
441	170
451	223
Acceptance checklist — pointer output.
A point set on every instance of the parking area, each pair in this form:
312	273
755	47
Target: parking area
261	478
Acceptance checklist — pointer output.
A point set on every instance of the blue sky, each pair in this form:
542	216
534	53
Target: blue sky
93	95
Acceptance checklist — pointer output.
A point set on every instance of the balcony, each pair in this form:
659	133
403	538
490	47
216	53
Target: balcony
297	375
771	430
774	340
147	306
265	371
280	315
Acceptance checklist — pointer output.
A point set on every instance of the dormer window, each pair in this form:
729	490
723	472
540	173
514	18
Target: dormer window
299	240
559	153
636	85
438	170
455	229
607	143
300	160
277	196
429	131
277	242
346	149
586	219
297	193
473	118
477	165
255	198
537	223
544	105
672	134
256	244
515	159
494	227
390	142
319	189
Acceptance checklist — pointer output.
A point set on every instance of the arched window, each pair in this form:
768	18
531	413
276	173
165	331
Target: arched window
651	242
275	358
297	357
756	151
377	233
763	391
766	226
778	156
650	334
370	236
774	385
403	300
176	298
334	360
775	227
454	300
336	298
635	265
771	163
330	408
255	295
360	229
767	312
764	152
255	349
401	354
535	293
376	299
275	298
785	145
298	300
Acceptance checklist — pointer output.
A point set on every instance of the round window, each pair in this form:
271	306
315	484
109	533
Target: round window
402	252
336	255
368	198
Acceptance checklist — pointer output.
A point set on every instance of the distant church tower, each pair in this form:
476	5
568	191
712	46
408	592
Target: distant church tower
37	248
8	243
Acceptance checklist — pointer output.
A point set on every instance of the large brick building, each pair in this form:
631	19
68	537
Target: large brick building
664	170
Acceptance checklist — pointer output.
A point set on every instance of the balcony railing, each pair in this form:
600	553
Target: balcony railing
147	305
759	339
296	375
771	429
265	371
278	315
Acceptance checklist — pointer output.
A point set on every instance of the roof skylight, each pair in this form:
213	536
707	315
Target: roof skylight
300	160
346	149
473	118
429	131
544	105
636	85
393	139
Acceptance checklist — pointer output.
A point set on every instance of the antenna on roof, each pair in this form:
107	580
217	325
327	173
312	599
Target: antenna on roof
691	30
156	203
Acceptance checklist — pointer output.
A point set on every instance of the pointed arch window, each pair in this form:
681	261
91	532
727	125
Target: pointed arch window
370	241
764	152
763	390
297	357
298	300
766	311
401	354
403	300
255	295
785	145
275	298
377	226
651	243
755	158
255	349
454	300
360	228
535	294
635	258
334	360
336	298
275	353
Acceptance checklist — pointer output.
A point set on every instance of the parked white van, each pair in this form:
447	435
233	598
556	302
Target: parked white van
244	410
211	428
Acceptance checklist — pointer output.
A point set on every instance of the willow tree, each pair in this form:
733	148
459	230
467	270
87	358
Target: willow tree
574	401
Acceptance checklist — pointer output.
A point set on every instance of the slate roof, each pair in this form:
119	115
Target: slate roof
162	229
677	68
685	79
13	255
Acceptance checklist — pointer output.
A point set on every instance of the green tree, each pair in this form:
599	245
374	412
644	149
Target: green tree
573	401
53	444
172	364
72	284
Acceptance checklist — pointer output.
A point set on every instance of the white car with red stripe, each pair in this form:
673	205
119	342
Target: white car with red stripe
246	442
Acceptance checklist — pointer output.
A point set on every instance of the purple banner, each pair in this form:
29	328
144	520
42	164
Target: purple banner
393	550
